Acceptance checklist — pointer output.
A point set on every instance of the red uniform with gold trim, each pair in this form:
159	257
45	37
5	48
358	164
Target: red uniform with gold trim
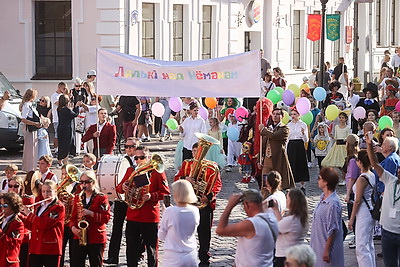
10	242
150	211
97	231
210	175
47	229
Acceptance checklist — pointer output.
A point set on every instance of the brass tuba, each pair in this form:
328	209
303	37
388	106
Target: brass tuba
63	195
134	197
201	185
82	223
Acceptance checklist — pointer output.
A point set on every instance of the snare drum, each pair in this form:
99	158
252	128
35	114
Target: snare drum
110	172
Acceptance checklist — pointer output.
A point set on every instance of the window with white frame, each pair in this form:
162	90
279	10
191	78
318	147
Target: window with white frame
378	8
148	30
296	39
206	33
53	40
178	32
316	47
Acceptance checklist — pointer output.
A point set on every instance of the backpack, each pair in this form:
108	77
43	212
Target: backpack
375	210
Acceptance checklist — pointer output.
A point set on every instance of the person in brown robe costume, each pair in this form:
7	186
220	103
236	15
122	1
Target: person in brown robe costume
274	156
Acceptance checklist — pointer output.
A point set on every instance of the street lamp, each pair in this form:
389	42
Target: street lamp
322	59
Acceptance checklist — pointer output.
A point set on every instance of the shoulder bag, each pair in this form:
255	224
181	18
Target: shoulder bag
35	118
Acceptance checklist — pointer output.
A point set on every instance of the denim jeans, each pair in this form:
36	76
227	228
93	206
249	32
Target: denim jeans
391	248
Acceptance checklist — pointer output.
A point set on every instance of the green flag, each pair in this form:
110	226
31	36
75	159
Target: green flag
333	27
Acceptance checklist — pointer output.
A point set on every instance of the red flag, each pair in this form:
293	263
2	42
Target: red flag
314	27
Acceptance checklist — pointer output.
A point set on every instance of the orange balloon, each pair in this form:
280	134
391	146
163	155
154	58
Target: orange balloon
211	102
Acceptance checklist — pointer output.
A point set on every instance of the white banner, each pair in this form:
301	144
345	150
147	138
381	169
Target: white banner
231	76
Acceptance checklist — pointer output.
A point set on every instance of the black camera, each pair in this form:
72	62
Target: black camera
271	203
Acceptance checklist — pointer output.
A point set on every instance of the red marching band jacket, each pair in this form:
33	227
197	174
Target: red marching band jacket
96	231
150	211
10	242
107	137
47	229
209	176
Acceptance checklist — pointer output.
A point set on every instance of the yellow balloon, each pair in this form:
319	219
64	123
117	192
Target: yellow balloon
332	112
295	89
285	118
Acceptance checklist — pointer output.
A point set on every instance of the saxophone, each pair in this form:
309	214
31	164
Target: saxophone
82	223
134	196
73	175
199	168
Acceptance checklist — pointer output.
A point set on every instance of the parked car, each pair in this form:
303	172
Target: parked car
10	116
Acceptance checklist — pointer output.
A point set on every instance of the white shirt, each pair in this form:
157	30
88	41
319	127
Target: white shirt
291	233
191	126
354	101
4	183
91	116
5	221
53	178
258	250
395	62
43	207
101	126
295	131
280	198
27	110
390	223
54	106
178	228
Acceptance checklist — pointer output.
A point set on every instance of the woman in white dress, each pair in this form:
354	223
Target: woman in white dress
362	189
29	158
178	227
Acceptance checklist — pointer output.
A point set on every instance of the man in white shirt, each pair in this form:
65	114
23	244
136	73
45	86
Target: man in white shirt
390	216
54	105
256	234
396	60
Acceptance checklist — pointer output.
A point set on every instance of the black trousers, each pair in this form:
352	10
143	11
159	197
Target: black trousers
94	251
204	233
136	231
120	208
23	255
67	239
43	260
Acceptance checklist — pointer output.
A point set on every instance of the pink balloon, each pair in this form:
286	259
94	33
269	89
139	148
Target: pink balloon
398	106
158	109
175	103
303	105
359	112
203	112
241	113
288	97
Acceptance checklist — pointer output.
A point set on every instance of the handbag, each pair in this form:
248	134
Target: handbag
342	78
35	118
80	123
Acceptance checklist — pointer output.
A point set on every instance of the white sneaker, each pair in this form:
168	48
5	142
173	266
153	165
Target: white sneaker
342	183
228	169
352	243
310	165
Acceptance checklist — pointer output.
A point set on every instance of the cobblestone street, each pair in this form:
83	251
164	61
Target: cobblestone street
222	248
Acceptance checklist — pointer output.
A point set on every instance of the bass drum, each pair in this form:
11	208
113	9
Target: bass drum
110	172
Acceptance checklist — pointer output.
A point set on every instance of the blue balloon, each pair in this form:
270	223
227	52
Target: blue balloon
319	94
233	133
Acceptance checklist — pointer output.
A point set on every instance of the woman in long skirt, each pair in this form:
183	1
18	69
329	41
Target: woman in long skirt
298	136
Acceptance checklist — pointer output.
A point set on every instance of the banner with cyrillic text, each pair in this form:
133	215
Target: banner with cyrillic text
231	76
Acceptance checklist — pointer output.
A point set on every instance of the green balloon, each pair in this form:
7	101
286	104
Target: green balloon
279	89
274	96
172	124
307	118
385	122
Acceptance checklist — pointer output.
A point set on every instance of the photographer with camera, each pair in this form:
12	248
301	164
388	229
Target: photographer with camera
256	234
293	226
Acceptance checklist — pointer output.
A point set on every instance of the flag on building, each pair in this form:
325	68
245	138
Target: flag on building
314	27
333	27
